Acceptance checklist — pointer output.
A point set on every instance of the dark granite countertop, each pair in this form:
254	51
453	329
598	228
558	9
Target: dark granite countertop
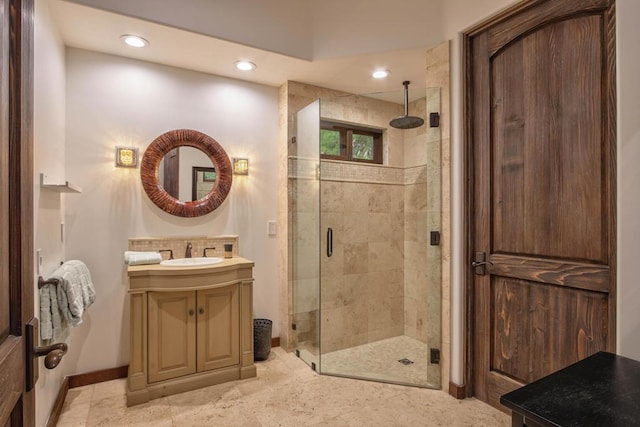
601	390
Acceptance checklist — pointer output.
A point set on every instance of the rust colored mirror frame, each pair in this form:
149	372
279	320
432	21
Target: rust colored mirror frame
166	142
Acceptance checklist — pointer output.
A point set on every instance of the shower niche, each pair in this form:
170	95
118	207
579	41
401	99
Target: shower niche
365	272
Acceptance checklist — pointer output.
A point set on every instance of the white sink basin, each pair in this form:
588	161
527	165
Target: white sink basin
191	262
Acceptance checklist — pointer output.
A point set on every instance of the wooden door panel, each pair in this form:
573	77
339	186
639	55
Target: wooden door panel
17	405
528	343
546	144
502	33
4	169
218	328
541	162
587	276
172	331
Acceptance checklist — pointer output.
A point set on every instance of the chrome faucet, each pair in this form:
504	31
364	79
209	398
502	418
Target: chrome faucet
187	253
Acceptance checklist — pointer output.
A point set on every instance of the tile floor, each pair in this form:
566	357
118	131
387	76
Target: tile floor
285	393
379	360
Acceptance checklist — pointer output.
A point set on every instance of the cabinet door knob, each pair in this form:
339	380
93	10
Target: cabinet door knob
191	312
201	310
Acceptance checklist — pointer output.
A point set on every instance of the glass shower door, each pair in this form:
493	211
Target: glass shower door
380	291
304	167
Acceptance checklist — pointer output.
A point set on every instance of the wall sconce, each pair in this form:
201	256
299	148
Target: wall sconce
126	157
240	166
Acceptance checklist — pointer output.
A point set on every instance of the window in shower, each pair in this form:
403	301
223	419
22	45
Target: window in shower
339	141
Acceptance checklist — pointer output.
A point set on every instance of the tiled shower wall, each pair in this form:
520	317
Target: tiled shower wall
362	292
414	155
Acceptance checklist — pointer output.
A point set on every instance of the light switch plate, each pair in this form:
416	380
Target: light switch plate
38	260
271	228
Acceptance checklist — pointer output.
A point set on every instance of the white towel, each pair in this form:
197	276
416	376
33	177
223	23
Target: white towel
53	327
140	258
75	291
46	326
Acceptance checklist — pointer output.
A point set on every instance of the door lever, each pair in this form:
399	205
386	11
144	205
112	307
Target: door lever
53	353
479	263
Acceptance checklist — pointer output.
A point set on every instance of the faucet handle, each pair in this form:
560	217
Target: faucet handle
204	252
167	250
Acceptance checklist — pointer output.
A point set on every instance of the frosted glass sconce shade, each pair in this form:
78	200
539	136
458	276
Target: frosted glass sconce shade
126	157
240	166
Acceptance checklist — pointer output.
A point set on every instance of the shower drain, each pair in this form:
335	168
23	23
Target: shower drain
406	361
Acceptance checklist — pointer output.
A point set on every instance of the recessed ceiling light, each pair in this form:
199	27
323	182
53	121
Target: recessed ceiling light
380	74
134	41
245	65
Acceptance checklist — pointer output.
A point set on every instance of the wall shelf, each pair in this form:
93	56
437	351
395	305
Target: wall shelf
67	187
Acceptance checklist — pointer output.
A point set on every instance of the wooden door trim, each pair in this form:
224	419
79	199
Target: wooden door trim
609	121
18	102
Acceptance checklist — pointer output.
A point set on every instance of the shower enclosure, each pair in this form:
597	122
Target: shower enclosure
364	242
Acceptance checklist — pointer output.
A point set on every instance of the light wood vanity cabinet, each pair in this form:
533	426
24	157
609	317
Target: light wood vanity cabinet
191	338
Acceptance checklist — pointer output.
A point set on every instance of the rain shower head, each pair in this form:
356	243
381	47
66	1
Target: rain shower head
406	121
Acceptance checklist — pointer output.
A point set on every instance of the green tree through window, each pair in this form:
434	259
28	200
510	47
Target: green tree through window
339	141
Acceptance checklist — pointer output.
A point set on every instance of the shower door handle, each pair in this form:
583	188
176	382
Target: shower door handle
329	241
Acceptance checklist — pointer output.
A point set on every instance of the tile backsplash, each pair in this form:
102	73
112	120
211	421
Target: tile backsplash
179	245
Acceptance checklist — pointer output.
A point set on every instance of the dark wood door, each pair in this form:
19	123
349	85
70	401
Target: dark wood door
171	182
541	135
16	204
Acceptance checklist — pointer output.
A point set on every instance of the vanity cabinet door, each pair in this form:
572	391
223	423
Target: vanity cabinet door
172	334
218	328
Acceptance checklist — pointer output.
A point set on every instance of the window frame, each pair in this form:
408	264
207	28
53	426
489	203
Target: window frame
346	141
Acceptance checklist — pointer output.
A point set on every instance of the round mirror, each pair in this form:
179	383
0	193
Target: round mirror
209	184
187	174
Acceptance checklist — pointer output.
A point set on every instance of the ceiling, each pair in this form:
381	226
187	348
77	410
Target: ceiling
99	30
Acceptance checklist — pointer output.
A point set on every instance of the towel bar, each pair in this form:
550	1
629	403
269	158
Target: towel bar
42	282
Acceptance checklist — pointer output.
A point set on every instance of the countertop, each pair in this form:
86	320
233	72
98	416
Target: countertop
161	270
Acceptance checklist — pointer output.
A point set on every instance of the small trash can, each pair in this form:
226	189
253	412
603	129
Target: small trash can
261	338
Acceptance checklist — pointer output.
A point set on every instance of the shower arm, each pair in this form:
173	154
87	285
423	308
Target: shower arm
406	97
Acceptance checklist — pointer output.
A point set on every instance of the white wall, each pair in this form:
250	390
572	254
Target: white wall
116	101
628	68
49	149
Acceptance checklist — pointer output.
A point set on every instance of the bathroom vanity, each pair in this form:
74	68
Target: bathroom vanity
191	327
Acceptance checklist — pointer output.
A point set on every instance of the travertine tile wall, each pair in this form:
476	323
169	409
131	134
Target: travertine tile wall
362	282
297	292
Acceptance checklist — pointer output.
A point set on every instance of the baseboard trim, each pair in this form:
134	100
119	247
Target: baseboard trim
275	341
56	410
457	391
95	377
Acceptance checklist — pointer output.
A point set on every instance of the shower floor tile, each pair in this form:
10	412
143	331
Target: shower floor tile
381	361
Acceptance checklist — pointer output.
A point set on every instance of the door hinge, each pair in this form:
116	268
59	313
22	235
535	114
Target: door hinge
434	238
434	356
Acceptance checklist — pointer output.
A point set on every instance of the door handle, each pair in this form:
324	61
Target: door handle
52	353
329	242
479	263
